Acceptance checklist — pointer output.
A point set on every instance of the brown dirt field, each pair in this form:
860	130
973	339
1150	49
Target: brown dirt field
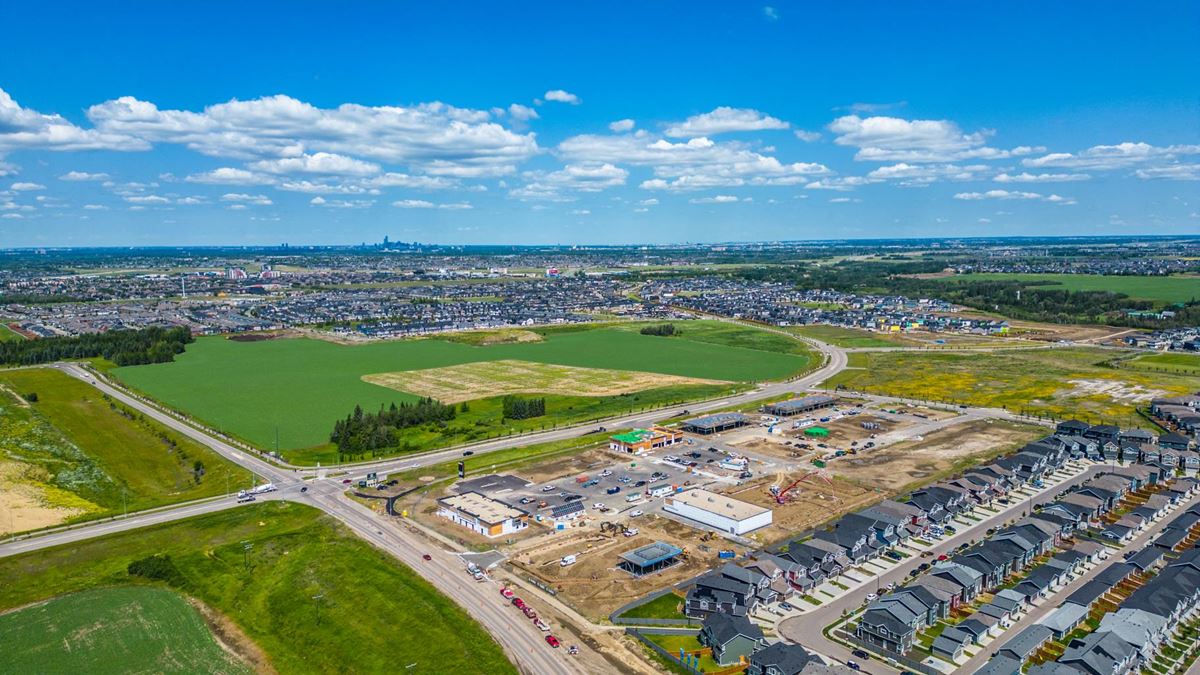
1054	332
231	638
811	503
570	466
847	429
896	466
594	585
470	381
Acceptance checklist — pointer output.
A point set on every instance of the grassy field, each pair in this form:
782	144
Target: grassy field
470	381
300	387
374	614
1183	364
673	643
9	335
1076	382
848	337
663	607
131	629
74	452
1163	290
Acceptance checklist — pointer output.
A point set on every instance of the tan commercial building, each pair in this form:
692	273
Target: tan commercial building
489	517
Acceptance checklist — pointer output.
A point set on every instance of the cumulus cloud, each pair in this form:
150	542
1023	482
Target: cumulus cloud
95	207
7	169
342	203
428	136
422	204
724	120
550	186
27	187
1026	177
921	175
892	139
562	97
694	164
318	163
146	199
719	199
839	183
1108	157
808	136
1009	195
79	176
522	112
1170	172
770	13
23	128
621	126
241	198
231	176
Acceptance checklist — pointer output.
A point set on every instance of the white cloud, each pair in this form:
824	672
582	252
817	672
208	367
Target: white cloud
311	187
422	204
12	216
428	136
25	128
1026	177
342	203
78	176
95	207
581	212
723	120
695	164
1170	172
7	169
406	181
242	198
231	176
719	199
770	13
843	200
522	112
921	175
808	136
562	97
649	202
621	126
188	201
319	163
146	199
571	178
1009	195
27	187
892	139
1108	157
840	184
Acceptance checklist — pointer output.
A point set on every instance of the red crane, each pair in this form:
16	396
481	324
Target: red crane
781	495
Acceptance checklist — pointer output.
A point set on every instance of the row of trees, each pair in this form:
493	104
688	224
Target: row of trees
363	431
663	329
122	347
517	408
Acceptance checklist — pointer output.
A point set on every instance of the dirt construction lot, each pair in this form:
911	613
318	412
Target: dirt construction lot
594	585
810	503
469	381
895	466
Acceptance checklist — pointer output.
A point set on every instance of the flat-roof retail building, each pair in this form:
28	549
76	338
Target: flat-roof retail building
796	406
650	558
711	424
718	511
489	517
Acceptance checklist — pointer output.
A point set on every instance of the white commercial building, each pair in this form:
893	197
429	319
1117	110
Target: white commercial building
718	511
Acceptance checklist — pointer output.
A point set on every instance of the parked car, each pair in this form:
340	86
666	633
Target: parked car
613	490
552	641
640	483
346	482
427	557
853	666
547	488
861	654
926	554
542	625
872	597
507	593
785	607
635	513
468	453
894	555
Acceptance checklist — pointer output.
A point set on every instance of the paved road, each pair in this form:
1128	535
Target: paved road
806	628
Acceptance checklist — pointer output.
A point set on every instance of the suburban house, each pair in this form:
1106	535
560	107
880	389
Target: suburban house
731	638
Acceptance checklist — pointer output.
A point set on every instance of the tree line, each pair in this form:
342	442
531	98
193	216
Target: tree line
663	329
122	347
517	408
364	431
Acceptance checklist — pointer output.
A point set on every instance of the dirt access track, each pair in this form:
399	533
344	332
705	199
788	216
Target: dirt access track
469	381
807	505
896	466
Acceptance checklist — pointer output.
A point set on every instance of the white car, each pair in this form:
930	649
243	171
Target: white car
547	488
605	473
872	597
542	625
635	513
599	505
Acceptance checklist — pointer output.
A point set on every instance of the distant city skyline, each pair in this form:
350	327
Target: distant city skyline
595	124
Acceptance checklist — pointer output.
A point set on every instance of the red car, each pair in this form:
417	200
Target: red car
507	593
529	612
427	557
518	603
552	641
943	557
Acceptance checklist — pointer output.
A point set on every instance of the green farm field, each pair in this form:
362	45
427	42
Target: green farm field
1163	290
849	337
299	387
374	613
1071	382
128	629
1183	364
72	456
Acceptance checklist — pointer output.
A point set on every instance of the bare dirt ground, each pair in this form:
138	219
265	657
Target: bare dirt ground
570	466
594	585
25	504
1122	392
810	503
1054	332
895	466
232	639
469	381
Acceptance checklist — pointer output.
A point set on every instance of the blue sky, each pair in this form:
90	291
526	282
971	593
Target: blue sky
260	123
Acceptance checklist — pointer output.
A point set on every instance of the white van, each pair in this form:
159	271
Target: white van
567	560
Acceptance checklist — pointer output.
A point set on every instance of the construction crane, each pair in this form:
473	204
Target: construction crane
780	493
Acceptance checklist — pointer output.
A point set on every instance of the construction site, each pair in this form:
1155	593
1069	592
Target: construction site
801	500
583	567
